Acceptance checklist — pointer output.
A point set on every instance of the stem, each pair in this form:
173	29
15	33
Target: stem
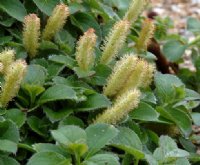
136	162
77	158
26	147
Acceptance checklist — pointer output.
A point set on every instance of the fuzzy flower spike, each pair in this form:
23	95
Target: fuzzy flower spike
145	35
122	106
148	75
140	77
135	9
13	79
31	34
85	50
56	21
114	41
120	75
6	58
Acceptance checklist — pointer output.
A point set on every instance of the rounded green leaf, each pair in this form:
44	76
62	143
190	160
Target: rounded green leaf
72	138
144	112
93	102
9	131
98	135
128	141
102	159
35	75
14	8
8	146
5	160
193	24
173	50
37	125
47	158
46	6
196	118
58	114
17	116
48	147
57	92
165	86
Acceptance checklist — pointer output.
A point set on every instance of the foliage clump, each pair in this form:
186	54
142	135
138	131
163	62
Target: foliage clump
81	85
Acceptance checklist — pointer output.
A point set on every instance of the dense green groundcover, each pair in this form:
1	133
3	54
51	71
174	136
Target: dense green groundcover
50	121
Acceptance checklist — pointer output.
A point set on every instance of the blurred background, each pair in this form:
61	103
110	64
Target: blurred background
178	11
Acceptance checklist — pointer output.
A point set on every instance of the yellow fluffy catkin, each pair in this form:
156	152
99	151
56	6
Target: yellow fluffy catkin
122	106
145	35
136	77
56	21
135	10
114	41
148	75
13	79
31	34
6	58
121	72
85	50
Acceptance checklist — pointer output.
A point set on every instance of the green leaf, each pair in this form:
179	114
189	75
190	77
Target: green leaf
14	8
48	147
7	22
102	159
174	114
61	59
196	117
193	24
151	160
182	161
48	47
94	101
8	146
46	6
144	112
149	97
5	40
17	116
37	125
168	150
57	92
5	160
48	158
82	74
165	87
72	120
174	50
35	75
101	74
58	114
33	91
9	131
71	138
98	135
128	141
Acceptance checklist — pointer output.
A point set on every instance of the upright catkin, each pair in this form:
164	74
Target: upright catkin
31	34
85	50
56	21
145	35
6	58
135	9
13	79
122	106
114	41
121	72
